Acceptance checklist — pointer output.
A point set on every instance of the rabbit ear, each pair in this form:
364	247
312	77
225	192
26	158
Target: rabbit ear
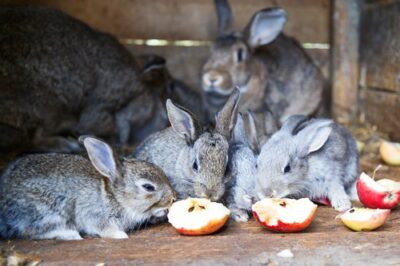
183	122
239	134
226	118
101	156
271	123
265	26
225	18
314	136
251	131
293	124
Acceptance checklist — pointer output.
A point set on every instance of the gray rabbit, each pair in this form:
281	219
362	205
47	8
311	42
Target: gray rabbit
314	158
59	77
60	196
271	69
194	159
250	133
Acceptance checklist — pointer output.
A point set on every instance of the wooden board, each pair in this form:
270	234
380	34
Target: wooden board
382	108
326	242
380	46
345	55
188	19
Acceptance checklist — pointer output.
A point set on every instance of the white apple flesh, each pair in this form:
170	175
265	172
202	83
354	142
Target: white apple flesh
364	219
284	215
196	216
390	153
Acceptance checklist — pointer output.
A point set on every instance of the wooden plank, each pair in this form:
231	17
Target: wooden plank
326	242
380	46
189	19
382	109
345	74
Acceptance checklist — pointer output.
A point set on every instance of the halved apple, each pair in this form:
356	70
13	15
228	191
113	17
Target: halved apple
364	219
284	215
383	194
390	153
195	216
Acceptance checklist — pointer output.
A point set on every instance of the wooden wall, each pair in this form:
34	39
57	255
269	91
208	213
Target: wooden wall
380	65
191	20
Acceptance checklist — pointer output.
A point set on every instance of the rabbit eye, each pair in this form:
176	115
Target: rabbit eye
286	169
240	55
195	166
149	187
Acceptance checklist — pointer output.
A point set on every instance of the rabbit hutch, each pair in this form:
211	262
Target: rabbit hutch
356	46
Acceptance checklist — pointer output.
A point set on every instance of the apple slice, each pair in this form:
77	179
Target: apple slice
284	215
390	153
363	219
384	194
195	216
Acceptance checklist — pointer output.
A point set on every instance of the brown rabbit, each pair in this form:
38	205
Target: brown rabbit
60	77
271	70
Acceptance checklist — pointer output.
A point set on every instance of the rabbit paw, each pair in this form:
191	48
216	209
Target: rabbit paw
240	215
113	233
62	234
341	204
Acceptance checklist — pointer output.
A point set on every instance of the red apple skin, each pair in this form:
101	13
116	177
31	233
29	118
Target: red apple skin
322	201
212	227
373	199
287	228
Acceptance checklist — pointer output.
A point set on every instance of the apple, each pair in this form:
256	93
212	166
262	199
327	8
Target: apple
390	153
364	219
284	215
196	216
360	146
383	194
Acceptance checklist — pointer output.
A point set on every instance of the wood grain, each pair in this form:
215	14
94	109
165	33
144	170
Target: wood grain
382	108
188	19
345	54
380	46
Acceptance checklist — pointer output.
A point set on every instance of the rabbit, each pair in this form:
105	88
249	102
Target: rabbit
193	158
60	196
314	158
59	78
243	153
271	69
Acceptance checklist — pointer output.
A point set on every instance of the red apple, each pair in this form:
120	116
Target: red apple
378	194
363	219
390	153
284	215
194	216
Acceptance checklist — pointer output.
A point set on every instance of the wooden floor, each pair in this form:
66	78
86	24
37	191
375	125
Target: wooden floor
325	242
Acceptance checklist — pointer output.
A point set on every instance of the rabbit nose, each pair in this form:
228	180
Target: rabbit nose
212	79
204	195
272	194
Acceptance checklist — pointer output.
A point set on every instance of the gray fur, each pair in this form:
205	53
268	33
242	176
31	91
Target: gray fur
60	196
322	157
182	148
272	70
241	192
60	77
